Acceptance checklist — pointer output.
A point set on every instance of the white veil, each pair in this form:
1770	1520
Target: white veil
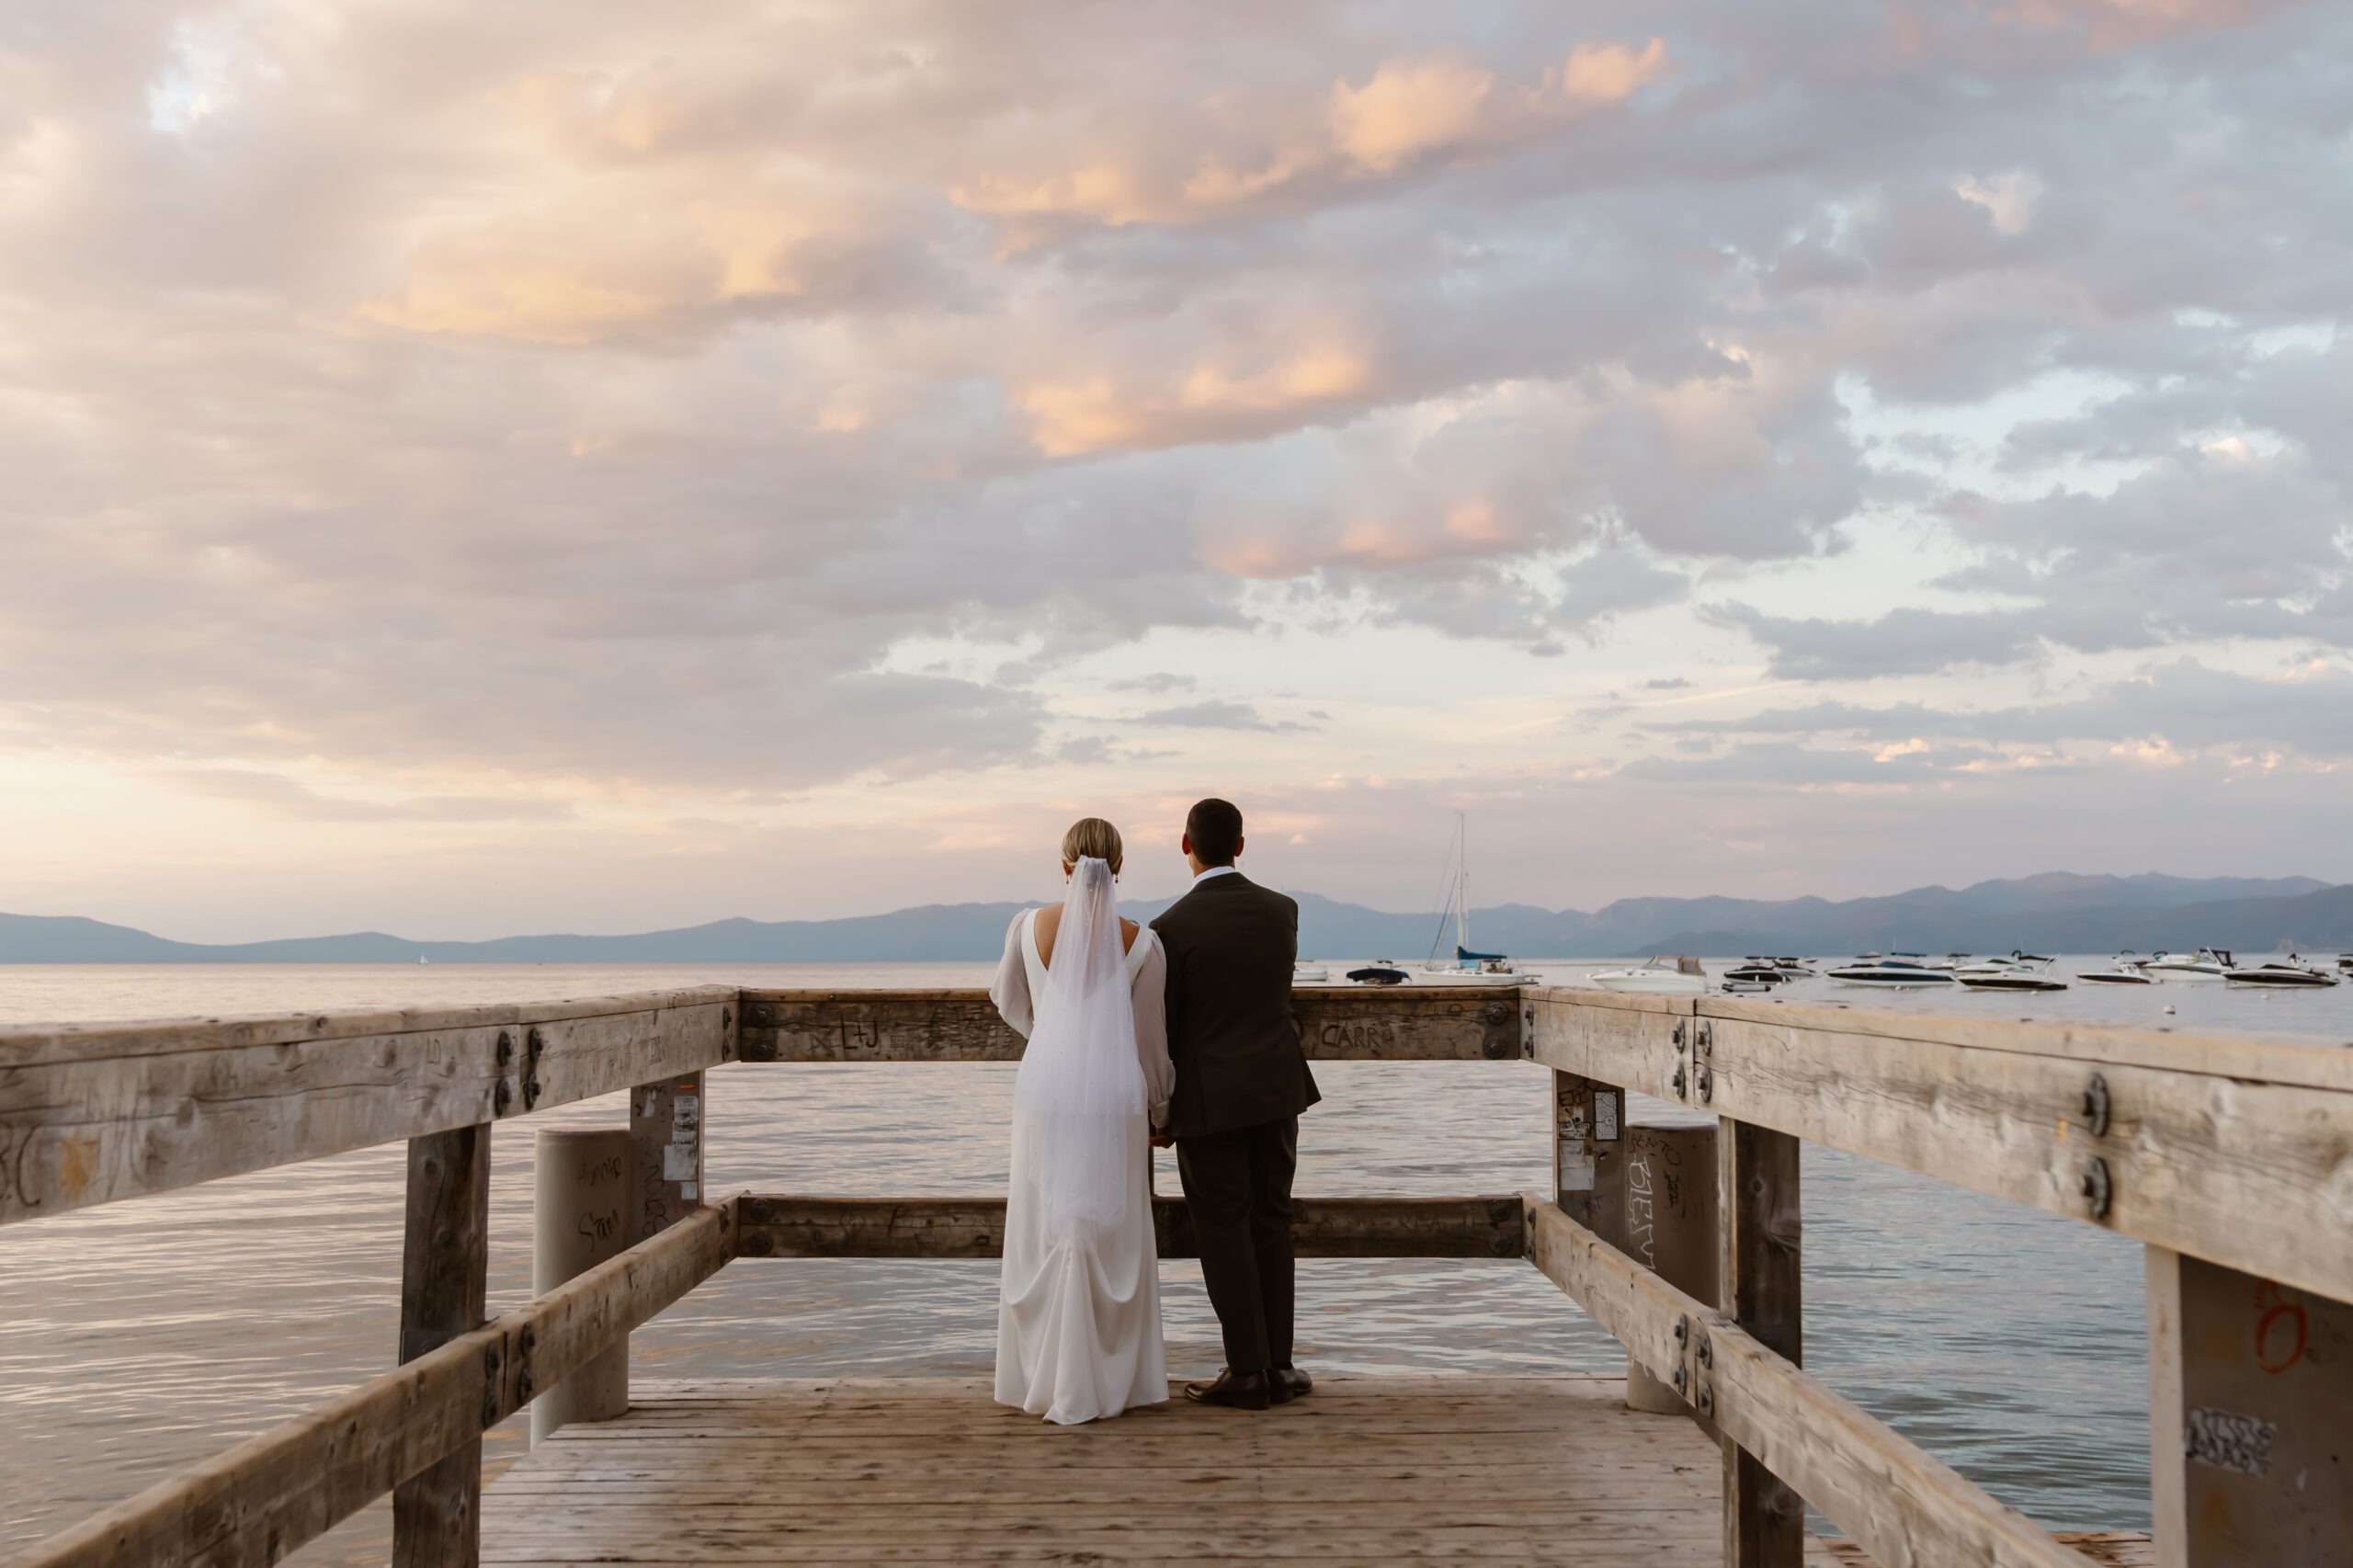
1080	1093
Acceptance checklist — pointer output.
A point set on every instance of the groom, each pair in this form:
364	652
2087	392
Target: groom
1242	1081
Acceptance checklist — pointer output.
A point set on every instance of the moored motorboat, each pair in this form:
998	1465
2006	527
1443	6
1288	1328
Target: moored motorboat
2293	975
2005	977
2124	973
1891	974
1737	987
2208	964
1669	974
1309	968
1378	974
1769	968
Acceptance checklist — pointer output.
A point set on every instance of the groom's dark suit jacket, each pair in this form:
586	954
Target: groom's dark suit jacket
1231	946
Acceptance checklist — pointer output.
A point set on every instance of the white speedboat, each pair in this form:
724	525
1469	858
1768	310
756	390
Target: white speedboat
2126	972
2290	976
1309	968
2003	975
1892	975
1670	974
2210	964
1791	968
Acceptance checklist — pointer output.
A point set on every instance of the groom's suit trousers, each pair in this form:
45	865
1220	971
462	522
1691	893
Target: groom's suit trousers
1237	1187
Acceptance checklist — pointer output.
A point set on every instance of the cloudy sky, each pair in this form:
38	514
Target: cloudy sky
589	465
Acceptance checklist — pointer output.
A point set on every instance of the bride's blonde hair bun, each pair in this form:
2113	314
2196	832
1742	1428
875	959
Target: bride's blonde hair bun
1091	835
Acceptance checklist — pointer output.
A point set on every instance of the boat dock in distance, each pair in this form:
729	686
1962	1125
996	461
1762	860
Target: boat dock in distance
2231	1159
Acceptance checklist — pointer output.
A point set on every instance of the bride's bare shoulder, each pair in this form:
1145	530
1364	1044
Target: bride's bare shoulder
1128	932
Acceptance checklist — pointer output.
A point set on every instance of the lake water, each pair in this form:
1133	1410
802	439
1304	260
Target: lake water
138	1338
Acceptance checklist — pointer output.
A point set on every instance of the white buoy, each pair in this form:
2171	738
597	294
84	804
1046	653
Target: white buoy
2168	1009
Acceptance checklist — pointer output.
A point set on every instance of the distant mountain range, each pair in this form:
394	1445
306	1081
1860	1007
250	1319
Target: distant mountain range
2054	912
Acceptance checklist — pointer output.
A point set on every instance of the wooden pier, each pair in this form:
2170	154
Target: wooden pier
2231	1160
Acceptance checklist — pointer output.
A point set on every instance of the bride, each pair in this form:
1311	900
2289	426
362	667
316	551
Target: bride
1078	1316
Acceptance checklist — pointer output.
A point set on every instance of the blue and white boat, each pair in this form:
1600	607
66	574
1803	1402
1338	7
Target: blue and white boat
1469	968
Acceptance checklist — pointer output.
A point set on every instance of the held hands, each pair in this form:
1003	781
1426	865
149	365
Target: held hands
1163	1139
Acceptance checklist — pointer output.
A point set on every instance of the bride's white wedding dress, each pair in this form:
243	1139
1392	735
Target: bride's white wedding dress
1078	1312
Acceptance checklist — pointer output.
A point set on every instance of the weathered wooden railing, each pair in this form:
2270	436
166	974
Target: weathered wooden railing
2233	1161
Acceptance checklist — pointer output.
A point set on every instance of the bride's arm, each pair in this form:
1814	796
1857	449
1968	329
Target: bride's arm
1151	1029
1010	990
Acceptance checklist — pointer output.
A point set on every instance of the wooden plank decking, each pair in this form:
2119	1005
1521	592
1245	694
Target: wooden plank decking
1551	1470
862	1470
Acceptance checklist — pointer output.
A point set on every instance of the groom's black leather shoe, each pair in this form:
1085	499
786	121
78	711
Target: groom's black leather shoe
1287	1383
1241	1391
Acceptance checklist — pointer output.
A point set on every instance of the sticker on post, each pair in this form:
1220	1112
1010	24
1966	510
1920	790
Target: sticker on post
2229	1441
1605	1116
1576	1170
679	1161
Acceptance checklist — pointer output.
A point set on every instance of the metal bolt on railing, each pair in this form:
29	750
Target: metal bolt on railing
2095	1107
2098	1188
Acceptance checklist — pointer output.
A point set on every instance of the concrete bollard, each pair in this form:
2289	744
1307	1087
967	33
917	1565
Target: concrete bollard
582	1181
1663	1185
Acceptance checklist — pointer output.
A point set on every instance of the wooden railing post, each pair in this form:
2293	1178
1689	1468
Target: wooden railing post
1760	1288
665	1152
2250	1386
445	1277
1662	1194
580	1219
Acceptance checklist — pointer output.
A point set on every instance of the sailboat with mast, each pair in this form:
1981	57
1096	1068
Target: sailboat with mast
1469	968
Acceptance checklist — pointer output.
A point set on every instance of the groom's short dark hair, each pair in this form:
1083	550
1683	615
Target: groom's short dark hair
1215	828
